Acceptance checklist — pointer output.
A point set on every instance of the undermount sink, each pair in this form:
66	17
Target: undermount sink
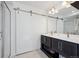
74	38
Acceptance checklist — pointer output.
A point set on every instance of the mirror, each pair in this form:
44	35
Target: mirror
71	24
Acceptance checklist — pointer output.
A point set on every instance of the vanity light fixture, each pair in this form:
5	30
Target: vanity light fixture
66	4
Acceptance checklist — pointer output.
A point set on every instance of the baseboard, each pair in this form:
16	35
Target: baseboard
13	56
26	52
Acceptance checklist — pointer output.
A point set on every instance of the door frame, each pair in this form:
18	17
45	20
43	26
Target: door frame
3	3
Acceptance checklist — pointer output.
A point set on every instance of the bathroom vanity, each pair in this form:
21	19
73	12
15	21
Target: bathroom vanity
55	45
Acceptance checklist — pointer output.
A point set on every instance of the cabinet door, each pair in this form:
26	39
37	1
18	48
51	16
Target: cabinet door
43	39
78	50
48	42
69	49
55	44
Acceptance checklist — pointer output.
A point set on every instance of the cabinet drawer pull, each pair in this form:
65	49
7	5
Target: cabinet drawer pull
61	46
58	45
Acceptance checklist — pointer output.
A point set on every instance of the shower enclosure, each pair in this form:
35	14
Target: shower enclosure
5	30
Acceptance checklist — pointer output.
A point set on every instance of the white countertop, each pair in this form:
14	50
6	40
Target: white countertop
71	38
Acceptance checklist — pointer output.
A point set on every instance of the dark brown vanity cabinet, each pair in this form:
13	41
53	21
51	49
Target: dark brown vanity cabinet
64	48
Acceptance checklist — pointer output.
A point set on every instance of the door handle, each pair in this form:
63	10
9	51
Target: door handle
61	46
58	45
0	35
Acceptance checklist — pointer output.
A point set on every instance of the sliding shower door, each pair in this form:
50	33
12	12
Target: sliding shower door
28	31
6	30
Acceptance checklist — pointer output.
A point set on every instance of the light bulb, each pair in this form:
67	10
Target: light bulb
53	9
50	12
64	3
56	11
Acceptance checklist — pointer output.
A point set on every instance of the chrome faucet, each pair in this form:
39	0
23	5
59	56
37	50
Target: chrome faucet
51	33
68	34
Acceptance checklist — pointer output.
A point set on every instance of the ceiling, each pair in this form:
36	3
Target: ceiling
46	5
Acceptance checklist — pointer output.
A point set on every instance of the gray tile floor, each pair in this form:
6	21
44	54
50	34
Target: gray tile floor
33	54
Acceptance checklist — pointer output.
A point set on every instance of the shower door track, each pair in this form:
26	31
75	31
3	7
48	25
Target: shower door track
36	13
